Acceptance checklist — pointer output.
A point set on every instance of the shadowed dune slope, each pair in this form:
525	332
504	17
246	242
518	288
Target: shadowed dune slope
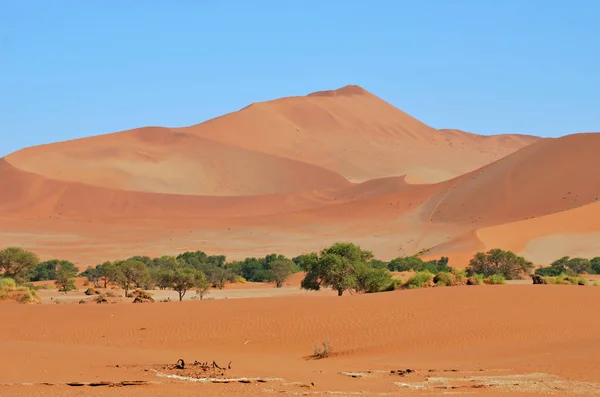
549	176
31	195
160	160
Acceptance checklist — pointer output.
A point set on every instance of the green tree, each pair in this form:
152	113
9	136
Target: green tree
405	264
281	269
65	273
335	267
579	265
497	261
202	285
47	270
369	279
16	262
566	265
93	275
219	276
130	273
108	273
183	279
595	263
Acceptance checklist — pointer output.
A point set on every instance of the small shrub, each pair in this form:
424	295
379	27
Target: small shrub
577	280
449	279
111	294
459	275
596	284
322	351
561	279
495	279
475	279
568	280
420	280
393	285
7	285
29	296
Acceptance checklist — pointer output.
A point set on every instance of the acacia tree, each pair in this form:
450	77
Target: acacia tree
16	262
131	272
108	273
219	276
202	285
280	270
65	273
183	279
497	261
335	267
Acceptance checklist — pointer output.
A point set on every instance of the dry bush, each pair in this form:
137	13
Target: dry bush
322	351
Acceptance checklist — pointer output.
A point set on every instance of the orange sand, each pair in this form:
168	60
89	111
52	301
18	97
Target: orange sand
290	176
492	330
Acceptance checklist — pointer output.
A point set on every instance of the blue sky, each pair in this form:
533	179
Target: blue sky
75	68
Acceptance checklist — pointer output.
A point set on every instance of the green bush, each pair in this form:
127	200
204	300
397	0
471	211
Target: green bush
420	280
444	279
393	285
7	285
29	296
577	280
564	279
495	279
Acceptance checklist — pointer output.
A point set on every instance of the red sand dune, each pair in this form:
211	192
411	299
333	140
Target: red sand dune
549	176
291	175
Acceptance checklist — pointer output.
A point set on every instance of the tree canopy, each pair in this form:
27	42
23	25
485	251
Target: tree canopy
499	262
342	267
15	263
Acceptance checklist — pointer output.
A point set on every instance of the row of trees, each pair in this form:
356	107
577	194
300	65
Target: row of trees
189	270
570	267
342	267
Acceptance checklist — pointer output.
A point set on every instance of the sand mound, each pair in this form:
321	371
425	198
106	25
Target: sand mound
549	176
160	160
355	134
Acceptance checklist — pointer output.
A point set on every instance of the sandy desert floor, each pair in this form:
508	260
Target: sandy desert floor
487	340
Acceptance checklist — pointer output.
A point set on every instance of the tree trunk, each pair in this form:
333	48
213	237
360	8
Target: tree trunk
181	294
340	292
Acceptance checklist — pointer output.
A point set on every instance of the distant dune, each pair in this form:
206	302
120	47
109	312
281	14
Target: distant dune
295	174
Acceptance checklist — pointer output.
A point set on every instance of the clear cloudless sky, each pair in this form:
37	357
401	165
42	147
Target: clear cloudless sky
76	68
